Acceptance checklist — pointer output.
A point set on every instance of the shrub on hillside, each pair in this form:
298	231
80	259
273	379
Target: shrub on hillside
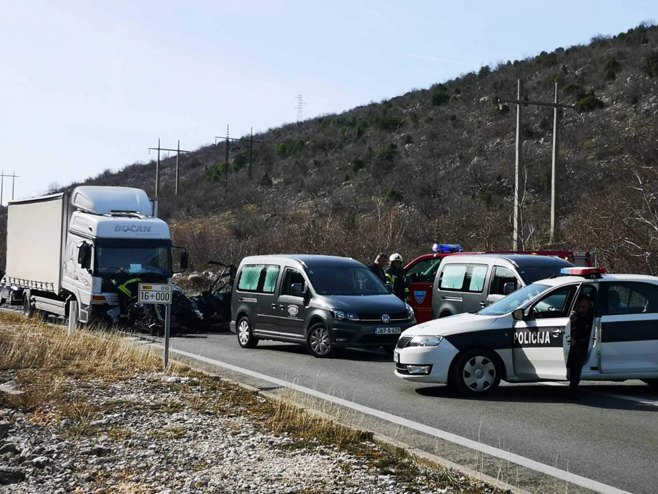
650	64
588	102
440	97
611	68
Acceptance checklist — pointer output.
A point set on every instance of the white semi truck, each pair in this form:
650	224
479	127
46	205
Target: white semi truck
84	246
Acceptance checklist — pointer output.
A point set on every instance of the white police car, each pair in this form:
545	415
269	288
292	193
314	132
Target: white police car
525	336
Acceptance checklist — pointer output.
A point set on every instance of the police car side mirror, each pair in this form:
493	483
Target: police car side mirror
518	315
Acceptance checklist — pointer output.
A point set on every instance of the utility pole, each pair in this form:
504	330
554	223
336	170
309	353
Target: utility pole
2	185
517	206
251	149
227	140
178	151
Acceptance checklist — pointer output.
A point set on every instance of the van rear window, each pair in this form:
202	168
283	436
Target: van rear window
258	278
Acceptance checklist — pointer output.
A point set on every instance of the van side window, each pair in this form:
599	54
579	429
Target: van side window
501	276
290	277
258	278
478	275
463	277
452	277
271	277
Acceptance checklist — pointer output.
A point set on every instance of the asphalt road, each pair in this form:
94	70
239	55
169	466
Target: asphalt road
610	435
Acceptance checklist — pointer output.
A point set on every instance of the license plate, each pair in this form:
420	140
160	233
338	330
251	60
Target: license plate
396	357
388	330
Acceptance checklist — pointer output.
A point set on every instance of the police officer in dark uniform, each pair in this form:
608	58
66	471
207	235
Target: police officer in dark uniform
378	266
581	330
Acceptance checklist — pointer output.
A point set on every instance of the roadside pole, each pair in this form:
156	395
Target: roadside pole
159	294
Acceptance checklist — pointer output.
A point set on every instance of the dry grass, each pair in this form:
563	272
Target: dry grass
56	372
26	344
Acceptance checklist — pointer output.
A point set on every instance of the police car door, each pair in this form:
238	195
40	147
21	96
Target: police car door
629	328
538	339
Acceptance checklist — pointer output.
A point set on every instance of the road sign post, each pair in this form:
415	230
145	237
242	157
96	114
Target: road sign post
160	294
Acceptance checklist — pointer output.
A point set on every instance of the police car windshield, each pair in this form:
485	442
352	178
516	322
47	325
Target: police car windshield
346	281
514	300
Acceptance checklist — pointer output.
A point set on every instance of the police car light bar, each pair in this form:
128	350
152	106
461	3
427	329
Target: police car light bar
593	272
447	248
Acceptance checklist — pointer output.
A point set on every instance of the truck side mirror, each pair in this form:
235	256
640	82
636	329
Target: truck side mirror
84	255
184	260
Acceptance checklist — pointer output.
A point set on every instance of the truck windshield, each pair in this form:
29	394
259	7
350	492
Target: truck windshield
346	281
514	300
133	257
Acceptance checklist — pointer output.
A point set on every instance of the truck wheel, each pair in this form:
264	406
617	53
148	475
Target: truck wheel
475	372
28	308
246	337
318	341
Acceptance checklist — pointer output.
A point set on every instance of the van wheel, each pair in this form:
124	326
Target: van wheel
476	372
319	340
444	314
28	308
246	337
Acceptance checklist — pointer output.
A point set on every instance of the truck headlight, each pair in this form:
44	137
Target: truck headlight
340	315
425	341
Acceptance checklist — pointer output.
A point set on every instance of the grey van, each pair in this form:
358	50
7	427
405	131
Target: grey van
470	282
324	302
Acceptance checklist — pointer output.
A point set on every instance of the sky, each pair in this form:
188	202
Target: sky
88	86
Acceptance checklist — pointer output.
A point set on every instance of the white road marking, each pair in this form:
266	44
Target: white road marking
636	399
432	431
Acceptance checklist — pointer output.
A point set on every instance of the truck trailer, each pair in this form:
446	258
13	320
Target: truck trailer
86	246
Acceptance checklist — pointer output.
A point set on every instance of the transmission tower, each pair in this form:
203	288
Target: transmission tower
300	107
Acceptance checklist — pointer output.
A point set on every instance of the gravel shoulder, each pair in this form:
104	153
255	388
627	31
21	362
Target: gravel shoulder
64	430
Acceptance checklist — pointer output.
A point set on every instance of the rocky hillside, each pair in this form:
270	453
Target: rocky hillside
438	165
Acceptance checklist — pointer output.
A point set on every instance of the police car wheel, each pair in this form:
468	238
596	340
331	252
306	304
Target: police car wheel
319	341
246	338
476	372
651	382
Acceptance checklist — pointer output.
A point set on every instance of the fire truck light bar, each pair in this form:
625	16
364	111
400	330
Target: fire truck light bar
447	248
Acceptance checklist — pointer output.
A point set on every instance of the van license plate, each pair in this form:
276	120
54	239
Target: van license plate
388	330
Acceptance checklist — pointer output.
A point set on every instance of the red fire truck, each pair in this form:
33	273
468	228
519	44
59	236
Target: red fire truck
420	272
